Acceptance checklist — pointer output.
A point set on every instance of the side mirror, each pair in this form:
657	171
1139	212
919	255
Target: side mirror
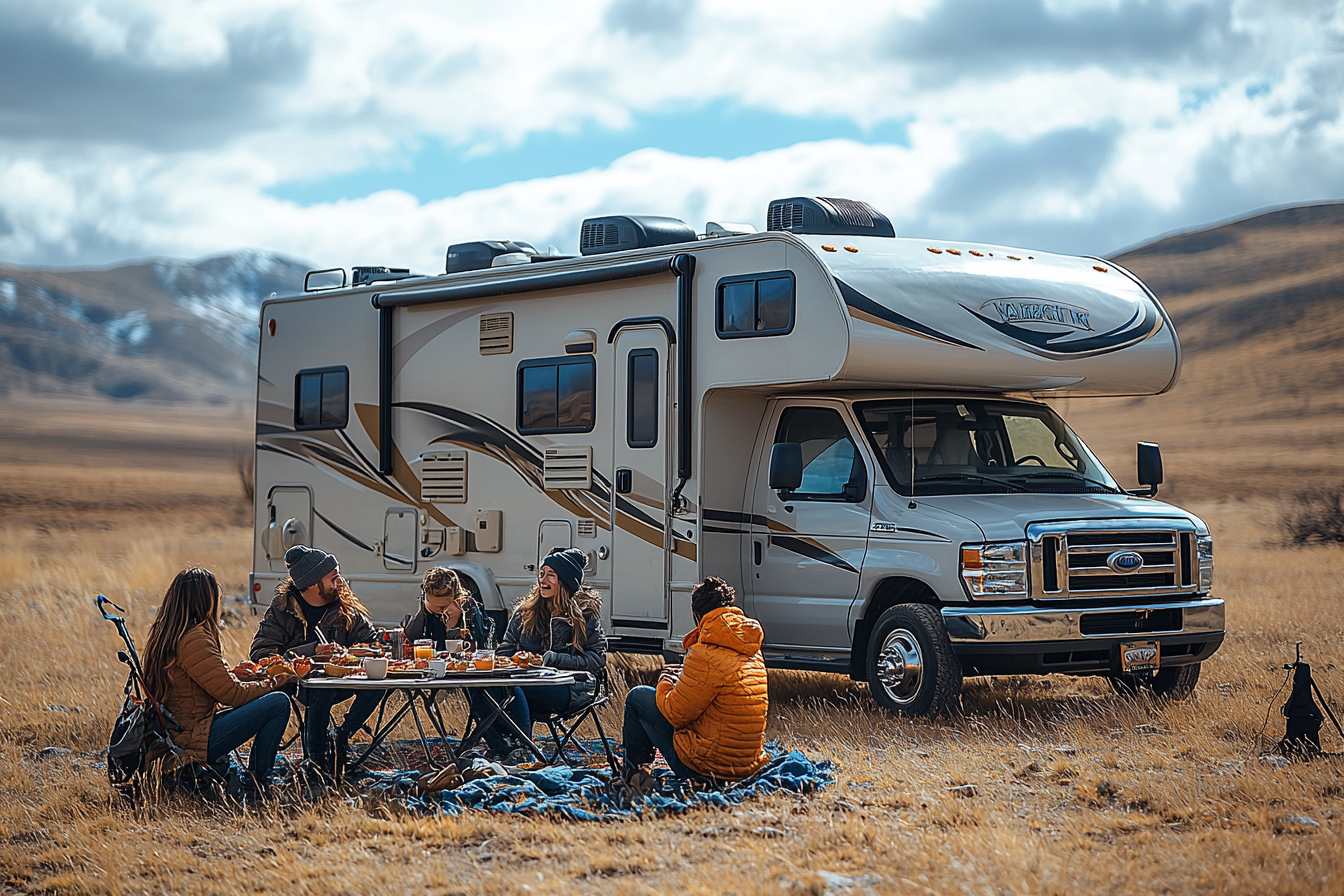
786	466
857	486
1150	468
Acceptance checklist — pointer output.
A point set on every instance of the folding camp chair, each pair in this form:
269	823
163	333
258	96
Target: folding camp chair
563	726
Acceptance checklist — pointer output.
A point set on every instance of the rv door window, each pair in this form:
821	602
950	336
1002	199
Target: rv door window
755	305
556	395
641	418
321	398
831	461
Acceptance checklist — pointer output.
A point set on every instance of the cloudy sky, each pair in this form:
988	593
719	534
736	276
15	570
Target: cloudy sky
376	133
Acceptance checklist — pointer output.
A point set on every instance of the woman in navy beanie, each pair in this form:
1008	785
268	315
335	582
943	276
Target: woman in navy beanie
559	619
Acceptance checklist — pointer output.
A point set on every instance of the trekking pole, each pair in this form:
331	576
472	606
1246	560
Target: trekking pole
132	657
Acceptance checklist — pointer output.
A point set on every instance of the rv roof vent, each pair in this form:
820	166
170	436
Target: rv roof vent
375	274
820	215
443	477
481	254
613	233
715	229
568	467
497	333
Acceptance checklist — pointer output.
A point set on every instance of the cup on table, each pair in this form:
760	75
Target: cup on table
438	667
375	667
454	646
424	649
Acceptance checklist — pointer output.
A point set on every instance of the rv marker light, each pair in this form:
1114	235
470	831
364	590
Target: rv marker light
828	248
851	248
1097	267
271	326
935	251
953	251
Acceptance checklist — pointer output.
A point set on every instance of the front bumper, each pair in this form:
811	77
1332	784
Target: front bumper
1031	639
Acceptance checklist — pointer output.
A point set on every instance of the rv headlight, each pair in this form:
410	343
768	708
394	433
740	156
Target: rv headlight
995	570
1204	548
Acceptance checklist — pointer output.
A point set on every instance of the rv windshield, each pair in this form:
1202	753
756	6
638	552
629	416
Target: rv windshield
953	446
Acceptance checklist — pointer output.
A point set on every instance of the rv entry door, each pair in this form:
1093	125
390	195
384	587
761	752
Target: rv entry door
639	481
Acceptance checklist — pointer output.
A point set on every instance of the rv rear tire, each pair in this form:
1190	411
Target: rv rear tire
911	667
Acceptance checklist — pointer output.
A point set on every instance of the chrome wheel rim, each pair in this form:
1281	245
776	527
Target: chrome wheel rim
900	666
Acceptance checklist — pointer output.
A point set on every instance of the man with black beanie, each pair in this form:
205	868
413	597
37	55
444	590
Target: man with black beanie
313	611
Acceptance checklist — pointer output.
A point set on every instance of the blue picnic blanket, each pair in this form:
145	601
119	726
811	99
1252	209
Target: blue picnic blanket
585	794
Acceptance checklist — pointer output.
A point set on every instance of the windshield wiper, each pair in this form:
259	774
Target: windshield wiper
1071	475
945	477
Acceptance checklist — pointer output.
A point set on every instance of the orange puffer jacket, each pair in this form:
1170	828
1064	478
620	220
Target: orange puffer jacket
718	706
198	681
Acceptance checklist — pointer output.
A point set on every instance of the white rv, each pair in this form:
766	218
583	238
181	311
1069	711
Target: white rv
845	425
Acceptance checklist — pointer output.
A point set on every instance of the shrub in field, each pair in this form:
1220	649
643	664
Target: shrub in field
1315	516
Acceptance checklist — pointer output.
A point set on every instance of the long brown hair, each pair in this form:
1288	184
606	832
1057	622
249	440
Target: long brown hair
576	609
350	607
191	599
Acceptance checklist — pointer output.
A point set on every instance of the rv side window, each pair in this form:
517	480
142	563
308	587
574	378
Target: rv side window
755	305
556	395
321	398
641	412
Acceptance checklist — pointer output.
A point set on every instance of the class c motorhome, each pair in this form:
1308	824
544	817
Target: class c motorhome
847	426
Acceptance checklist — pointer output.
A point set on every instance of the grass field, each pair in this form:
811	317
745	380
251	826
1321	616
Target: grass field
1073	789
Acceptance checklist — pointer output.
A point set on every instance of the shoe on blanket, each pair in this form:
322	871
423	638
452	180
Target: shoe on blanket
638	780
446	778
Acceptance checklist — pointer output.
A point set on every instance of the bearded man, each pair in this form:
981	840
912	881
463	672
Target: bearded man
314	610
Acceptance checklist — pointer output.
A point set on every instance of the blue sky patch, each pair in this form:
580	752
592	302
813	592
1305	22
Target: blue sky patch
434	171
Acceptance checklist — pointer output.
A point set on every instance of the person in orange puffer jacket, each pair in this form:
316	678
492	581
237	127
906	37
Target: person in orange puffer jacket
707	716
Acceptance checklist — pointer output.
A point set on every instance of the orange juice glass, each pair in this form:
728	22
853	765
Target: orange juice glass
484	662
424	649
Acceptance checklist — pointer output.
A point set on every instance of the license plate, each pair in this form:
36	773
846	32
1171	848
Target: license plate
1140	656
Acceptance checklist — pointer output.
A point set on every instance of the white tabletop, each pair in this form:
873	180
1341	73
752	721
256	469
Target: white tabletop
453	680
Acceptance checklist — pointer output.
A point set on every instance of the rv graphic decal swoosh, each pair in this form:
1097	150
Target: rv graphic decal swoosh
812	551
865	309
341	532
1143	323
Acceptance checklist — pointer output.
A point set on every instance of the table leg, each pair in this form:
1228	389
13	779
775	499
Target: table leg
499	712
380	732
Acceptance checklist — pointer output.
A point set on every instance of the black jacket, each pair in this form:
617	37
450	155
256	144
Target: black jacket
556	645
283	628
425	624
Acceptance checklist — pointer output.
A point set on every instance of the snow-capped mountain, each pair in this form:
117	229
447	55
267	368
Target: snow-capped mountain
162	328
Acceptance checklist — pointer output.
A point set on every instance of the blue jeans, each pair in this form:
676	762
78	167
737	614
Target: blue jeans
262	721
543	700
320	701
645	728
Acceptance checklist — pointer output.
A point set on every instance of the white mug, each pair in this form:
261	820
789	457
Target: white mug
454	646
375	667
438	668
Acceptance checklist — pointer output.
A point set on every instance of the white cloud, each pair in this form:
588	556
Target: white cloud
1081	154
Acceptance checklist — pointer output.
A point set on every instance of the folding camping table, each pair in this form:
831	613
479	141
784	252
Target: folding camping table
423	690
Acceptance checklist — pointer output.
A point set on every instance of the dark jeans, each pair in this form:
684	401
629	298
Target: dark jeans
543	700
646	728
320	701
262	721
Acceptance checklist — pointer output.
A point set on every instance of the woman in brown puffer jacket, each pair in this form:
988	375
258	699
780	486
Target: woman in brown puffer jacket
185	670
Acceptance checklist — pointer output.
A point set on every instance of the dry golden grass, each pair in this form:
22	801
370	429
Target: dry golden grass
1048	785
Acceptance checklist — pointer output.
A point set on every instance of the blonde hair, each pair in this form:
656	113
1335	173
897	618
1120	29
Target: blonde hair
576	609
442	580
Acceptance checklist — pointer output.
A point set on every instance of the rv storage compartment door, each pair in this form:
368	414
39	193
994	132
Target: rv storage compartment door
640	446
290	508
810	541
399	541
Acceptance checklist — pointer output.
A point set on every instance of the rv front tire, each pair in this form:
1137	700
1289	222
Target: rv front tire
911	667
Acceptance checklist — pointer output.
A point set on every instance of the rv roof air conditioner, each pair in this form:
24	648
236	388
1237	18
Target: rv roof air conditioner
825	216
481	254
614	233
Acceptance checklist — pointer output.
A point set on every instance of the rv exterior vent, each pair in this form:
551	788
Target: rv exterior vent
587	528
443	477
820	215
480	255
614	233
570	467
497	333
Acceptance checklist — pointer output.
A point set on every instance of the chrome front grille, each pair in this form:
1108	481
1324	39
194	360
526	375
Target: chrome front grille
1074	560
